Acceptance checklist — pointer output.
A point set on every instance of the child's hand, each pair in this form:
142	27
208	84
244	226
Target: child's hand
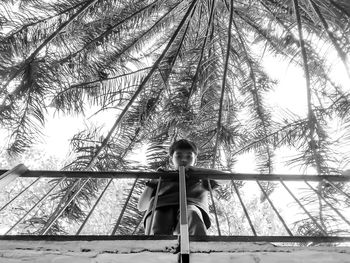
197	169
152	183
191	168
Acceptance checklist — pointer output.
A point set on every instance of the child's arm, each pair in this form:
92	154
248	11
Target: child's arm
214	184
146	196
203	170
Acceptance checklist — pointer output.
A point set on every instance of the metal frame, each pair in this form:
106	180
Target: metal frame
174	175
274	209
20	170
276	239
93	208
244	208
124	208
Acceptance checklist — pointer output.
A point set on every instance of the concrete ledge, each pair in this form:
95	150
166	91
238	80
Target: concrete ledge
135	251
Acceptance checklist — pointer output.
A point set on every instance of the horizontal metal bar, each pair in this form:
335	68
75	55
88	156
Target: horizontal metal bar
318	239
174	175
86	237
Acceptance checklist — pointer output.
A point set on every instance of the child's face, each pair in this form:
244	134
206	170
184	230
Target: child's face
183	158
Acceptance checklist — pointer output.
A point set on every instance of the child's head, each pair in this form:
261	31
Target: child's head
183	153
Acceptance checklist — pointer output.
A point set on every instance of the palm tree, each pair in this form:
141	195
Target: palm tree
172	69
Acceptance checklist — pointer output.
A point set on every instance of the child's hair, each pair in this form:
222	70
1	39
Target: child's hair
182	144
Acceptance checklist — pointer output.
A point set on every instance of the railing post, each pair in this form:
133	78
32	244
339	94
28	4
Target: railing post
184	235
12	174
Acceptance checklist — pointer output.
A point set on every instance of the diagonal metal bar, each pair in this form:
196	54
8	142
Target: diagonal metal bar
141	86
336	187
50	223
244	208
39	202
329	204
138	225
274	209
93	208
55	213
25	189
301	205
214	207
124	208
155	201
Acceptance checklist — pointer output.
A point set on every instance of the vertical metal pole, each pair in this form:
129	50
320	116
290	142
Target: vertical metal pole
184	235
244	208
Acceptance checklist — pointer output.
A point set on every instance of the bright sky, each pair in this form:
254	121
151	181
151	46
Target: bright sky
289	94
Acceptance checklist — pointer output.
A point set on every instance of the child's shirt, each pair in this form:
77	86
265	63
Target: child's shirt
196	191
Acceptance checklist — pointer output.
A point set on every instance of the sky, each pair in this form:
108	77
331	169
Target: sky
289	94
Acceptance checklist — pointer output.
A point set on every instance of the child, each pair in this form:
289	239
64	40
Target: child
166	216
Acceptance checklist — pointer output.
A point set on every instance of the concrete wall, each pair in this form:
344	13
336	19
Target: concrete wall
131	251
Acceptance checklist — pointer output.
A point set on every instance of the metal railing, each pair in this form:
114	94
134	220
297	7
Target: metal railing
338	204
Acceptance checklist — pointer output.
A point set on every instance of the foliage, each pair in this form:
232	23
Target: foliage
172	69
